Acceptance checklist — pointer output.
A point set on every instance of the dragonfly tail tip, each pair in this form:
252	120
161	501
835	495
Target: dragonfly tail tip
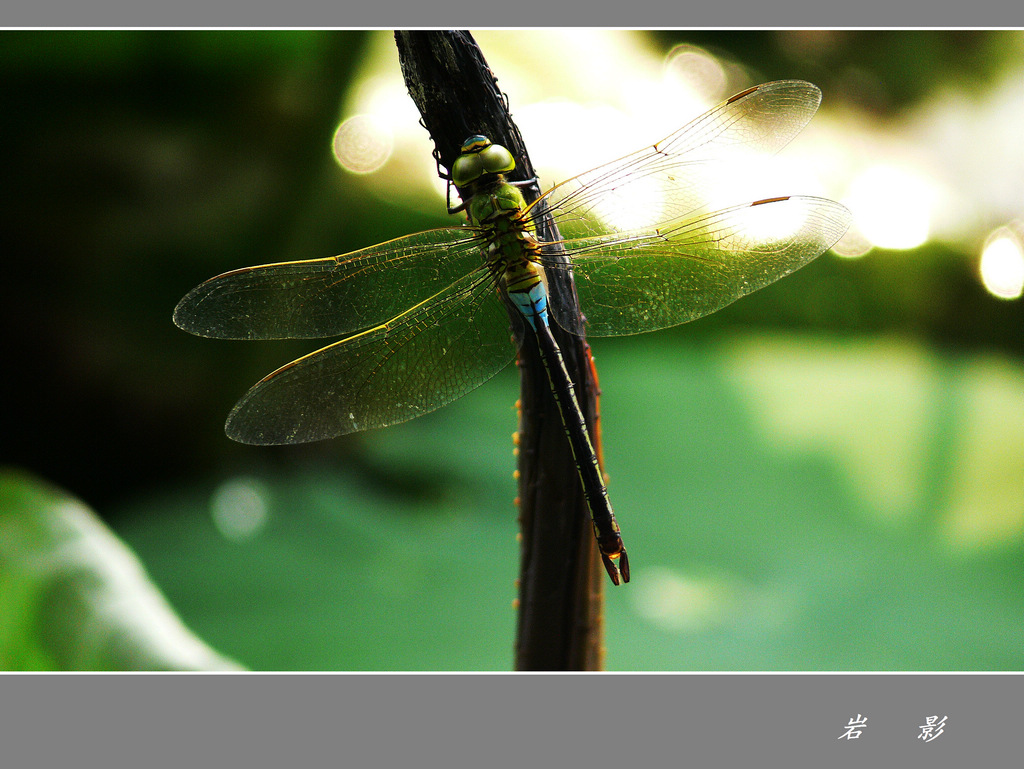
617	566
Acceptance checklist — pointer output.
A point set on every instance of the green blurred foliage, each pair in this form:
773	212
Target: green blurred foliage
73	597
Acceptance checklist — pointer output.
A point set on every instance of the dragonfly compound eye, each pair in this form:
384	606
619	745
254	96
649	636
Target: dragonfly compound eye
497	159
479	156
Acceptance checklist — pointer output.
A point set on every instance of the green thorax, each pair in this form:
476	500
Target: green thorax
493	204
497	204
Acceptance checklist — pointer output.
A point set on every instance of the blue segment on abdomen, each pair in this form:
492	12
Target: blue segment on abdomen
533	304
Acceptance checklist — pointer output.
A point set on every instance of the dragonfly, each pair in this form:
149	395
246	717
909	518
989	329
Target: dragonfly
426	318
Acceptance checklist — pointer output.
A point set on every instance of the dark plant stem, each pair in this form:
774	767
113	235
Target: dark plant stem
561	579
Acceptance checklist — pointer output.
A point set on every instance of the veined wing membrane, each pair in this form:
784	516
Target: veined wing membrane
328	297
421	360
678	174
629	283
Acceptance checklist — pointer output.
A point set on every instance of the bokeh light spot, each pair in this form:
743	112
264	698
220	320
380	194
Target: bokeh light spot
239	508
1002	264
363	144
852	245
696	70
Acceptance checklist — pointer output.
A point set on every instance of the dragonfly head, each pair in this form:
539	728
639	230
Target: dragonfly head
480	156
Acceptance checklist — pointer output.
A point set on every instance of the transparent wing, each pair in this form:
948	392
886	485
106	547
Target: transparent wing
666	235
328	297
415	363
683	173
631	283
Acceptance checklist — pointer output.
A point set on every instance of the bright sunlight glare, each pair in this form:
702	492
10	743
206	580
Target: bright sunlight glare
386	98
577	147
1002	264
636	205
768	222
891	206
753	175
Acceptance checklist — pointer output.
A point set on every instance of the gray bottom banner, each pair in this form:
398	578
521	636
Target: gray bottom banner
713	720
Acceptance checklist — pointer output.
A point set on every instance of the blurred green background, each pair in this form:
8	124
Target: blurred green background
826	475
